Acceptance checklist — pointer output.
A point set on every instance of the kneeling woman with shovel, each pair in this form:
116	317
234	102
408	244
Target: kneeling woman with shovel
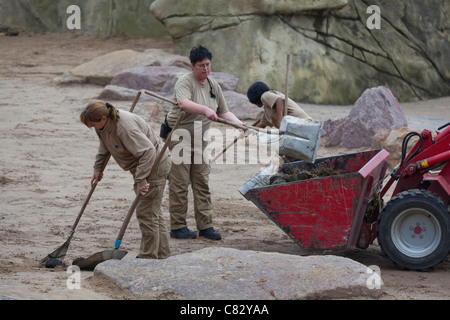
134	146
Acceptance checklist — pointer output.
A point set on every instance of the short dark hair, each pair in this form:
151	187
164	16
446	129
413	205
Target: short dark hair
256	91
199	53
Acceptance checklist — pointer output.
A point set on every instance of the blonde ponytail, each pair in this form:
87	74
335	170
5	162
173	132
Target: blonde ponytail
97	109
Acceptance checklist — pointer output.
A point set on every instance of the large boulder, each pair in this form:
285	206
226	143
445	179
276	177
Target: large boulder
101	70
376	110
230	274
334	55
241	106
158	79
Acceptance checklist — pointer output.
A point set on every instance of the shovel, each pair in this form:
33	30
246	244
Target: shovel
91	262
297	138
220	120
61	251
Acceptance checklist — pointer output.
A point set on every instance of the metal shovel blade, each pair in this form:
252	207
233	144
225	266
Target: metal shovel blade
99	257
301	138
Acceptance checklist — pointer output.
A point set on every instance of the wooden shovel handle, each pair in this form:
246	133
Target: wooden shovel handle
286	95
220	120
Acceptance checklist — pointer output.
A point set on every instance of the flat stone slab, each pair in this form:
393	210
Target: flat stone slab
230	274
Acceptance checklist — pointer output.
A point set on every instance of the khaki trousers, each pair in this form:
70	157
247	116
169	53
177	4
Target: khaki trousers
197	175
155	234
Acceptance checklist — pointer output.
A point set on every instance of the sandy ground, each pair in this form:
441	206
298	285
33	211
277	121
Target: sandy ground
46	165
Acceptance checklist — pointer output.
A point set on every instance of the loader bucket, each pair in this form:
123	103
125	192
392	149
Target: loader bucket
323	214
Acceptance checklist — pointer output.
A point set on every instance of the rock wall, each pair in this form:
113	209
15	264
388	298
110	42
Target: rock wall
335	56
102	17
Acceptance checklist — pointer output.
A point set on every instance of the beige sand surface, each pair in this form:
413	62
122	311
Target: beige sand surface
46	164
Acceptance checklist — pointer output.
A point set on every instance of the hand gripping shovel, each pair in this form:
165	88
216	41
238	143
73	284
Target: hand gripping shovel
61	251
91	262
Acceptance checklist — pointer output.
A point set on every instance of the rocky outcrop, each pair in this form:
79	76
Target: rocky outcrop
230	274
103	17
375	111
335	55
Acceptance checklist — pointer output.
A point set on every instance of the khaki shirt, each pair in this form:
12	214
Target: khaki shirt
187	87
269	118
132	143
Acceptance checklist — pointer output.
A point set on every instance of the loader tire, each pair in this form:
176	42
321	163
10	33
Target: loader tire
414	230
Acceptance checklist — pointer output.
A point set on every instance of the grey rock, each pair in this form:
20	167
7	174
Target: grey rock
117	93
157	79
376	110
101	70
169	59
164	78
227	82
230	274
241	106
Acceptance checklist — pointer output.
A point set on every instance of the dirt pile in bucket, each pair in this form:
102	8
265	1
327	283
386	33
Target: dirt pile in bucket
302	174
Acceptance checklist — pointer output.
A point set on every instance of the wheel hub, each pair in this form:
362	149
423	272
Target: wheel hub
417	230
416	233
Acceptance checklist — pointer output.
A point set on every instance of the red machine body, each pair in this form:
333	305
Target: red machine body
326	214
416	171
345	210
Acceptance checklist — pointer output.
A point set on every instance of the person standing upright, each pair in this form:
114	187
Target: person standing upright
202	99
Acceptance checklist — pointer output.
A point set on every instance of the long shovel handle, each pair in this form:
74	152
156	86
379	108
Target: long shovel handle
152	172
220	120
286	95
105	162
150	93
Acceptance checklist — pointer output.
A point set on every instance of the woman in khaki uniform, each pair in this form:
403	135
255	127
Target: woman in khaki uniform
134	146
202	99
273	104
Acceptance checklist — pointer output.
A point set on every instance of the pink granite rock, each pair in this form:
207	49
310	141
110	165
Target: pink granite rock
376	110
